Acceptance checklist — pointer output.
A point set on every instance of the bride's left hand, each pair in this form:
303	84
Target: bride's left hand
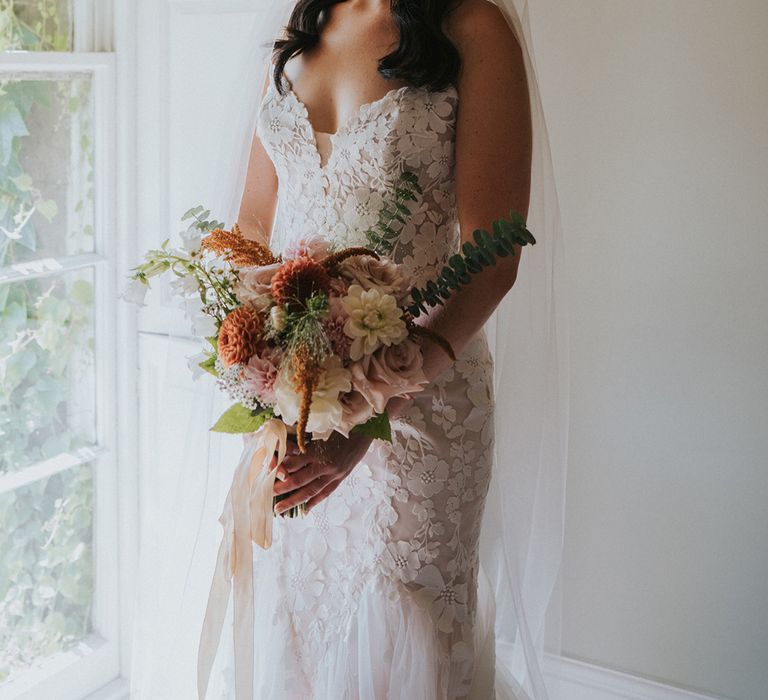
315	475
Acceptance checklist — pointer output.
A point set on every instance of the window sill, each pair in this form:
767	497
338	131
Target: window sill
116	690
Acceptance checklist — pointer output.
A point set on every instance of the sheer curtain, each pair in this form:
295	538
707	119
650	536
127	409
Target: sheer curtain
523	526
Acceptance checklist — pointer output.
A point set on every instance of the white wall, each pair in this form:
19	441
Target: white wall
658	112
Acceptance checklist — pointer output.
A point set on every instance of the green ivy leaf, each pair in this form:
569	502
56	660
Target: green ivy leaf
238	419
48	208
81	292
377	427
23	182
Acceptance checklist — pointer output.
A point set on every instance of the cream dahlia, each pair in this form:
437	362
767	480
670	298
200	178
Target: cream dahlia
374	320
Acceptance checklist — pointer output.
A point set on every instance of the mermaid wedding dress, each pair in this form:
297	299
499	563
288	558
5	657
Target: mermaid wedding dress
373	596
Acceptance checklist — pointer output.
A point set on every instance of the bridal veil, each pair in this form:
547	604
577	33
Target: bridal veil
522	532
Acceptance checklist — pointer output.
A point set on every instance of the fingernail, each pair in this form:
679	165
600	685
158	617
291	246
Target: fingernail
281	475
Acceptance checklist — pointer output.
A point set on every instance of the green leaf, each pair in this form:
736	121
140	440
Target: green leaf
213	341
191	212
23	182
481	237
209	365
517	218
239	419
48	208
81	292
486	257
377	427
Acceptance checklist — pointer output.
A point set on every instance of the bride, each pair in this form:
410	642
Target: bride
389	588
374	594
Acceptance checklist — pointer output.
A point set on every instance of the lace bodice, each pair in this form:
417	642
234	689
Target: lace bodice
409	128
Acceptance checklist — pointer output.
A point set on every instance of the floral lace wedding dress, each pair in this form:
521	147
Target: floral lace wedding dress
373	596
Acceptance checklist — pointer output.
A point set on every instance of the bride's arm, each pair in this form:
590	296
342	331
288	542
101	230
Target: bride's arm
492	171
259	202
492	167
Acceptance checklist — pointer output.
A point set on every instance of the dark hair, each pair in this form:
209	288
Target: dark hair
425	56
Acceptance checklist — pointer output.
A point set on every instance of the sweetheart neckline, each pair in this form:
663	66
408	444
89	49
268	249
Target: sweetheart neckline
349	124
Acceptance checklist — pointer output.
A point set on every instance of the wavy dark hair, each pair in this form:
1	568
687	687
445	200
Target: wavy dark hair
424	57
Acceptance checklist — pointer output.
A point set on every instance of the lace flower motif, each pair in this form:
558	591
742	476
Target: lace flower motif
428	476
328	527
446	600
402	560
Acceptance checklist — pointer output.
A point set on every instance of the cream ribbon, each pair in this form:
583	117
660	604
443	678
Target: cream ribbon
246	518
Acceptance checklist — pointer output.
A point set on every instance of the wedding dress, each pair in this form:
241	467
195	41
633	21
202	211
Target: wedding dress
374	594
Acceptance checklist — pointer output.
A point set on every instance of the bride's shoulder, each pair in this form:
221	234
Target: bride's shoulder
473	24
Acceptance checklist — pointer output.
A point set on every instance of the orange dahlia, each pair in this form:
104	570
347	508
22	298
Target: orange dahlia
296	280
239	335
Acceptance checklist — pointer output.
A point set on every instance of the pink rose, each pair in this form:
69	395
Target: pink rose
355	410
390	371
313	247
339	287
368	272
260	373
254	286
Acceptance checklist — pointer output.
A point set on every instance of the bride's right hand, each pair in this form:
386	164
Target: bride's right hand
313	476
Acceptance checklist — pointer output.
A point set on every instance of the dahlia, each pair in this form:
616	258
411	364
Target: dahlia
374	320
239	335
297	280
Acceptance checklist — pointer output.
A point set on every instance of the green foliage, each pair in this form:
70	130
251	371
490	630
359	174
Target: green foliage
377	427
304	327
35	25
209	365
483	253
46	568
382	235
214	285
201	221
239	419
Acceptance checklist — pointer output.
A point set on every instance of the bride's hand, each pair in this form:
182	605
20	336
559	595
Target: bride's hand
315	475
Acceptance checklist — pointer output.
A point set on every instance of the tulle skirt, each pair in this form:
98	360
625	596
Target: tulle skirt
390	650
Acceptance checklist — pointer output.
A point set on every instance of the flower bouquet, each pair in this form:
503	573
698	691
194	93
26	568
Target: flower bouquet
317	339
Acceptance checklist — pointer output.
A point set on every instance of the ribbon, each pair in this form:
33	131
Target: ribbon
247	517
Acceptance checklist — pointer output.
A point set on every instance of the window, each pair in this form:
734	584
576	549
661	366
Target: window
58	496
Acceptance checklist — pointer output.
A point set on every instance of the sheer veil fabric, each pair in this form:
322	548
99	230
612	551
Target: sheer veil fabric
186	482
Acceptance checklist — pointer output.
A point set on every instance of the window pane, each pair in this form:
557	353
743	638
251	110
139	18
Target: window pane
36	25
46	568
47	394
46	167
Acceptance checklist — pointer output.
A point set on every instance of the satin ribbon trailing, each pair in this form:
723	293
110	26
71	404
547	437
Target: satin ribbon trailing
246	518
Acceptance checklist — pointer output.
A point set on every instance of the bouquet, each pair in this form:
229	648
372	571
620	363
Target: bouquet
316	340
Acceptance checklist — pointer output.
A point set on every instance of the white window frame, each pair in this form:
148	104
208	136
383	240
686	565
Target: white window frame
95	663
